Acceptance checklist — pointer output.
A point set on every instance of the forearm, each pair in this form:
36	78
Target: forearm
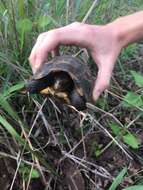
129	28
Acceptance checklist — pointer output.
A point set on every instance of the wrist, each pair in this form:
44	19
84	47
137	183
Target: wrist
122	31
117	30
128	28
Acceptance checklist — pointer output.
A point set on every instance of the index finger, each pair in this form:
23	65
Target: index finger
45	43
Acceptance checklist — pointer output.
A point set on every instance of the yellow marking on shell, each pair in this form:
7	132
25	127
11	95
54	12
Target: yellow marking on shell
50	90
47	91
64	96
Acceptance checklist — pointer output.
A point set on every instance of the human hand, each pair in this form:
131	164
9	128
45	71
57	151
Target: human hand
101	41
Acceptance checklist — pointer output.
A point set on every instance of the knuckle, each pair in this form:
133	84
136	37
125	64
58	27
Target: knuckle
77	24
52	32
52	35
41	36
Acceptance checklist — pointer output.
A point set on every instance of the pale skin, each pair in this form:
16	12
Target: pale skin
104	43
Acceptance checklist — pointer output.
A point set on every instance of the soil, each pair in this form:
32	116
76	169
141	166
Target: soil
79	154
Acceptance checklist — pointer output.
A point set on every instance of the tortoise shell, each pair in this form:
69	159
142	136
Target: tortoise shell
67	66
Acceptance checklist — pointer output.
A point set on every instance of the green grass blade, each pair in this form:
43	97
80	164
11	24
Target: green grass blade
135	187
6	106
118	179
10	129
21	8
14	88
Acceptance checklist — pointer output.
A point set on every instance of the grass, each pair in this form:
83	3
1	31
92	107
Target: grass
62	146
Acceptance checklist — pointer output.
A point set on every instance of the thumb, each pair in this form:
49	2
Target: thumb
102	82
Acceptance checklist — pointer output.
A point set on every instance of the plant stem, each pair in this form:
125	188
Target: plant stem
14	26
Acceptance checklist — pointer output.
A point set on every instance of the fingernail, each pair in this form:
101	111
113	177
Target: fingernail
36	66
95	95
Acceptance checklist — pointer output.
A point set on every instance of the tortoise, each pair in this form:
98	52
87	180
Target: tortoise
66	78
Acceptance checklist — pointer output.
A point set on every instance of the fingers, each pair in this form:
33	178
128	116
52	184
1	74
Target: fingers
102	82
46	42
105	64
33	58
55	52
103	53
72	34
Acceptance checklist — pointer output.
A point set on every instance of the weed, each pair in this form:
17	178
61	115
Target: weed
48	141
